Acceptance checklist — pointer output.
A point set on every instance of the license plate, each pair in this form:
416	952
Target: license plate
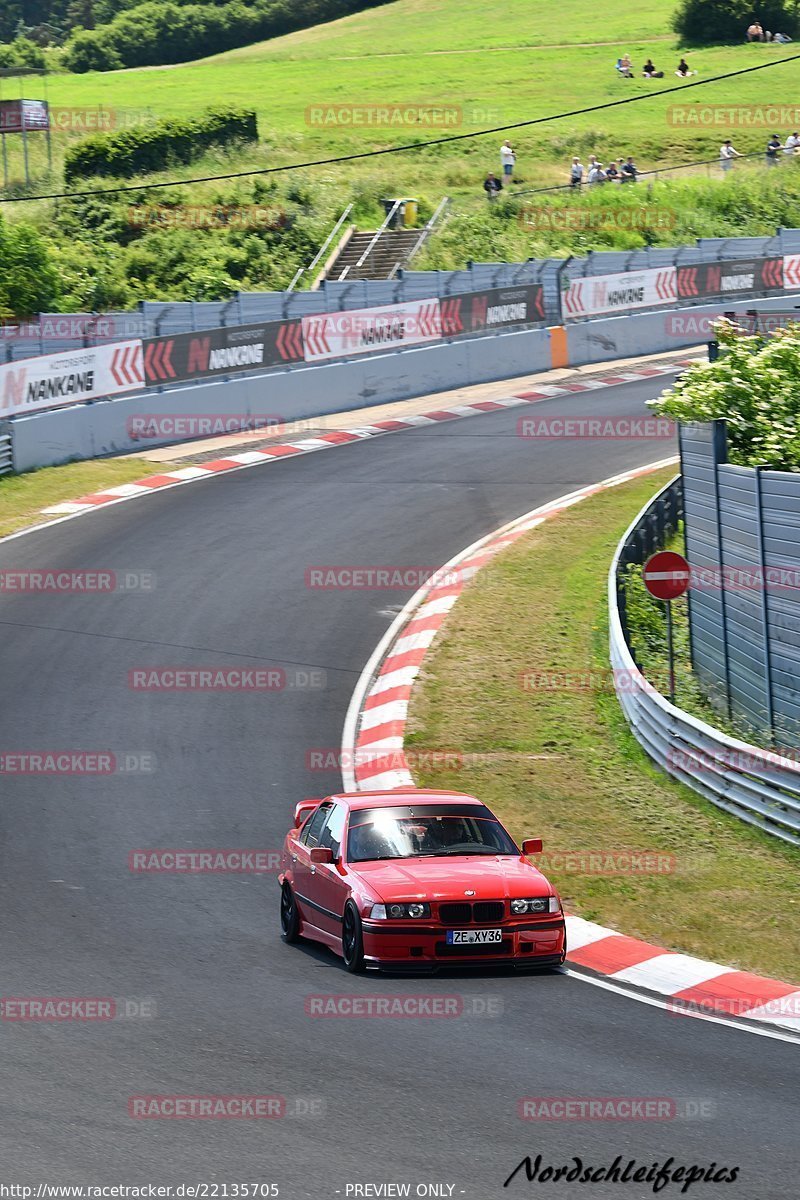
473	937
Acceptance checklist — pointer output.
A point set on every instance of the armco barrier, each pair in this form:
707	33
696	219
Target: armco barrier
756	785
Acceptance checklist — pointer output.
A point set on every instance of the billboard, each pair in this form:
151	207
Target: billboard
592	295
17	116
33	384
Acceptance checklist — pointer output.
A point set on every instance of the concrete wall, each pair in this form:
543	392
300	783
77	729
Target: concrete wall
91	430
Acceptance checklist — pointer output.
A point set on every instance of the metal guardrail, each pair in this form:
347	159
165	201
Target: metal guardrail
759	786
6	450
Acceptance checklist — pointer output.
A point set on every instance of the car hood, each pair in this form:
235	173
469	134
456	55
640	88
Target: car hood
490	878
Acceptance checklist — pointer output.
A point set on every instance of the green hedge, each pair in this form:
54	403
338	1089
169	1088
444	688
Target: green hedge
157	146
153	34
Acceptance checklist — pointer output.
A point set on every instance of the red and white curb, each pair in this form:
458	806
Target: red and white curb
373	757
253	458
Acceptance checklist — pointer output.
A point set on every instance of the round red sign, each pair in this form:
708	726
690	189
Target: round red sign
666	575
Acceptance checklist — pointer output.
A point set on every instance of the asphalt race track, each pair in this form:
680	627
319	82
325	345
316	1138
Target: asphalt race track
418	1101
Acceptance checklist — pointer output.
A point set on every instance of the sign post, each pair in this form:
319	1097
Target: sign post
667	576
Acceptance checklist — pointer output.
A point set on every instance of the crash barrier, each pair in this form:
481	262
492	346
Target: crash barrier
304	391
572	290
6	450
759	786
743	543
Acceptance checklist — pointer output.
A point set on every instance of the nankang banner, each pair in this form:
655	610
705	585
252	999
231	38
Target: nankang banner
496	308
224	351
92	373
361	330
731	277
621	292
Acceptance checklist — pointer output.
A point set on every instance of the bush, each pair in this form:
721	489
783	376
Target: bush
28	282
154	147
755	387
22	53
706	22
153	34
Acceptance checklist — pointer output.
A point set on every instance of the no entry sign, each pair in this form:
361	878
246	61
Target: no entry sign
666	575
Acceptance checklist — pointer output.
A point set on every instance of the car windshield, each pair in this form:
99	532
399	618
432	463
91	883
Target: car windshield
406	833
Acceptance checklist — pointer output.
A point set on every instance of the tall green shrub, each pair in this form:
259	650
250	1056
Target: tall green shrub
709	22
153	147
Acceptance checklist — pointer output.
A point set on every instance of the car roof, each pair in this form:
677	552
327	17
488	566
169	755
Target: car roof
402	796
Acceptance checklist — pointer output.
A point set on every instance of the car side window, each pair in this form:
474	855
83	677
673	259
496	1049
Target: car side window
333	832
310	835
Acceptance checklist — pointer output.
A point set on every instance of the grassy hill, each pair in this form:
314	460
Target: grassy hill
491	65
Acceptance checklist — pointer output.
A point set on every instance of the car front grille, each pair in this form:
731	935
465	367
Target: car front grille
481	913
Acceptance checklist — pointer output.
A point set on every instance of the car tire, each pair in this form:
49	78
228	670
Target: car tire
290	918
352	939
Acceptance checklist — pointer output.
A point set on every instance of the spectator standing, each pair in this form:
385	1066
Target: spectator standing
507	159
612	173
773	150
492	185
727	154
576	173
792	143
629	171
597	174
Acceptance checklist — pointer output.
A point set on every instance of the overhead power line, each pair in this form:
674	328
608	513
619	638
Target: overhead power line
403	149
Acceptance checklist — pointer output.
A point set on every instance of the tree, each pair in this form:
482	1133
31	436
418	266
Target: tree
706	22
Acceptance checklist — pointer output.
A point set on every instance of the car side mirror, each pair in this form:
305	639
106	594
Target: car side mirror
302	810
322	854
532	846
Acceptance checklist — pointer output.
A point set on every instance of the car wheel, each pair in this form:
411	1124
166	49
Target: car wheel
352	939
290	918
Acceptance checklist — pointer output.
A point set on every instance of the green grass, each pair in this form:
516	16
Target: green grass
22	497
561	763
521	62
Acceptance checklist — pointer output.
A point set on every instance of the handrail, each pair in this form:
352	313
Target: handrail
384	226
302	270
424	235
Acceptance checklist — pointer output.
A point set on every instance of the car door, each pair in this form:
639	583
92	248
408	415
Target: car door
332	888
305	878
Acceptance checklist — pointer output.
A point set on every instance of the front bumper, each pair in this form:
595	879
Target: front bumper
525	943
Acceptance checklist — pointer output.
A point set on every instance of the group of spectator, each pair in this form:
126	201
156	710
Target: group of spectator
757	33
624	67
775	151
596	172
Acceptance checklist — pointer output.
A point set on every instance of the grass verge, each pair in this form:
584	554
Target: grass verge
560	762
22	497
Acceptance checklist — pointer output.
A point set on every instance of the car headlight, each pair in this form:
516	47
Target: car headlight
538	904
399	912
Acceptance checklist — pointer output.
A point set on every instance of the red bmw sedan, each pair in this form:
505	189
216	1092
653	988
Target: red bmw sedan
416	879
